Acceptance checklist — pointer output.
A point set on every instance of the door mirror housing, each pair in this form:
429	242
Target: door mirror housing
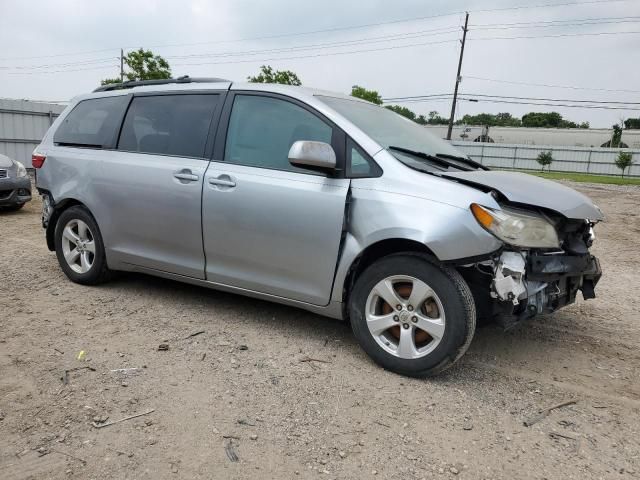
312	155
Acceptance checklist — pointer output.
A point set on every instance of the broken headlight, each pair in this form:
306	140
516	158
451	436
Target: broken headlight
522	229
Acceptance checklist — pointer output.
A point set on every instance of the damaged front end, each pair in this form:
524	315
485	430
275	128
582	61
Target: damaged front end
518	282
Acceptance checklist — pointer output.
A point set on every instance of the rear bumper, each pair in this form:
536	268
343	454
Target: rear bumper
14	191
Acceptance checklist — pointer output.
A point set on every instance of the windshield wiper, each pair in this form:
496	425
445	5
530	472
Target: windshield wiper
466	160
432	158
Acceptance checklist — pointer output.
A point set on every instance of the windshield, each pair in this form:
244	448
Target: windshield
390	129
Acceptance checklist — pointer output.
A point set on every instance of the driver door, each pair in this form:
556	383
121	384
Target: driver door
268	226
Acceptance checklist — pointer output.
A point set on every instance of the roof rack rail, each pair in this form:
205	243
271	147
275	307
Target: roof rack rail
163	81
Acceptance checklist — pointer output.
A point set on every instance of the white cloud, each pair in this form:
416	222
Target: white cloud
47	28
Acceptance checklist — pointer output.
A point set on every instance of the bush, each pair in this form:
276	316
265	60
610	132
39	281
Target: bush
624	161
545	159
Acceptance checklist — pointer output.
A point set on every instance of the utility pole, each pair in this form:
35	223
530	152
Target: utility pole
458	78
121	65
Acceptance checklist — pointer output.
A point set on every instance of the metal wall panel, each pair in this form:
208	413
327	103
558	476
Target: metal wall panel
23	123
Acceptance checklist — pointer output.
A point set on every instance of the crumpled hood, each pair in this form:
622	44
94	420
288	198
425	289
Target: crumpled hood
5	162
531	190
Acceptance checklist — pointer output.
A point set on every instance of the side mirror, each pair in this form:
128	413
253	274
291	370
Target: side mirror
312	155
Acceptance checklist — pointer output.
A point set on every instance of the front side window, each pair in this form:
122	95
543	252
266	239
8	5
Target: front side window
262	130
168	125
359	165
93	123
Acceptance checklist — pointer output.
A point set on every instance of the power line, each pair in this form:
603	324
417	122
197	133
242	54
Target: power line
327	30
328	54
546	5
263	37
553	25
559	35
603	107
400	36
394	37
47	72
70	64
556	105
377	39
546	85
417	97
570	20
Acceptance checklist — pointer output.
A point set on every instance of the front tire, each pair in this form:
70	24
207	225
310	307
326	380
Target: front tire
412	315
79	247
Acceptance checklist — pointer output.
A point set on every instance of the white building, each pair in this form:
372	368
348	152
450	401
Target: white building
569	137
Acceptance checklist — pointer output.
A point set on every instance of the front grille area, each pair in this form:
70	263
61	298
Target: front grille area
3	173
4	194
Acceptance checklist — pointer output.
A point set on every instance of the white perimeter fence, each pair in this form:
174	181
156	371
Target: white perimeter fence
593	160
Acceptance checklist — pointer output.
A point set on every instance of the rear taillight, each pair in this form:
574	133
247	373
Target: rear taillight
37	160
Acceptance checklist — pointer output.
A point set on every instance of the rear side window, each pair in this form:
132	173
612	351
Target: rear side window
168	124
262	130
93	123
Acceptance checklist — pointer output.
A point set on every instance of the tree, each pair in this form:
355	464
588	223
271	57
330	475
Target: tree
143	65
616	139
632	123
490	120
549	120
545	159
269	75
624	160
436	119
404	111
368	95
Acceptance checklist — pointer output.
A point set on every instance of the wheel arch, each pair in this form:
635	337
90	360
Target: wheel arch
60	207
374	252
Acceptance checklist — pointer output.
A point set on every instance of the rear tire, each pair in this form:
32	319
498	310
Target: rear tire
79	247
431	324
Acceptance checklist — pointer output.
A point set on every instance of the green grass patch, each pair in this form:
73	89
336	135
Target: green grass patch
585	177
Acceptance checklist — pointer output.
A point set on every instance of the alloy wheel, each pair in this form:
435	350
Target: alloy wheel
78	246
405	316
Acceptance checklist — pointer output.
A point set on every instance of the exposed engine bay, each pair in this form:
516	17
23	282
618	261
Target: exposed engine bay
515	284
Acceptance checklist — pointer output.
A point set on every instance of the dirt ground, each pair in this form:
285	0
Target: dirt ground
243	387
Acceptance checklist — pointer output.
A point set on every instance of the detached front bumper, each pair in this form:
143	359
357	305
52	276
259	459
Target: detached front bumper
14	191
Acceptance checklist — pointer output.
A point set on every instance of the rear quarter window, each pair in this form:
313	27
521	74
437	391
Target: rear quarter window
93	123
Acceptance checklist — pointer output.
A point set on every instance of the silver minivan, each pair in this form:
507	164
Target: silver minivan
315	200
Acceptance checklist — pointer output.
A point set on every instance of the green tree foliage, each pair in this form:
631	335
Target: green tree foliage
404	111
549	120
545	159
269	75
632	123
434	118
624	160
491	120
368	95
143	65
616	139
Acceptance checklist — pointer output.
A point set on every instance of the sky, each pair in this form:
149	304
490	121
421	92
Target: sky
56	49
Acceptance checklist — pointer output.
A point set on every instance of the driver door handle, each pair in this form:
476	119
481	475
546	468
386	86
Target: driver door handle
188	177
